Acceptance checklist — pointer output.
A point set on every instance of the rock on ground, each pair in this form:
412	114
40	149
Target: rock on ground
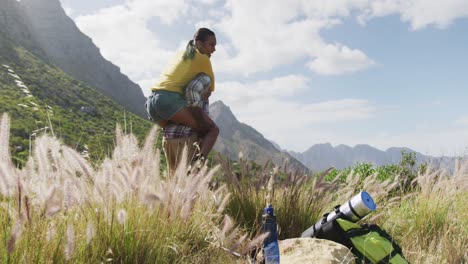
312	250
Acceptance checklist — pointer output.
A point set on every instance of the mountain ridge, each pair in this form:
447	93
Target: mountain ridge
238	140
43	28
236	137
324	155
40	97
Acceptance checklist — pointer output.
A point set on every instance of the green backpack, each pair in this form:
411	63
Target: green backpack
368	242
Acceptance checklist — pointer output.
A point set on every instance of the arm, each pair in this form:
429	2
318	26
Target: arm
198	90
204	66
196	94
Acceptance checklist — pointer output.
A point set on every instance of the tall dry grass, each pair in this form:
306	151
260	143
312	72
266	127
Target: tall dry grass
59	208
299	199
430	222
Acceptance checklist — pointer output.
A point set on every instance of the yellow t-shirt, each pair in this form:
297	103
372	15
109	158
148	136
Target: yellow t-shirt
179	72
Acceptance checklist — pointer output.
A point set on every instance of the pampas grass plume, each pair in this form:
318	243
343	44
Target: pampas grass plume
15	234
90	232
122	216
70	245
50	233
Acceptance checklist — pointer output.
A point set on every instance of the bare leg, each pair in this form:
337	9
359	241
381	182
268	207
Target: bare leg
208	141
203	126
185	117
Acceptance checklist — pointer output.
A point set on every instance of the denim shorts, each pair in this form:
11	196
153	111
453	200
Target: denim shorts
162	105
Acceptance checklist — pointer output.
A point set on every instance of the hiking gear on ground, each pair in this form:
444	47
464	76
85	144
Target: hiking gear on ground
353	210
368	242
270	244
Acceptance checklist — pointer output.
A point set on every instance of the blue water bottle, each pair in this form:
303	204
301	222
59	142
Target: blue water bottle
270	244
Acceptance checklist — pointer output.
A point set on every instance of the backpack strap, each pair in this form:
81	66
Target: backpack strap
354	232
318	232
325	216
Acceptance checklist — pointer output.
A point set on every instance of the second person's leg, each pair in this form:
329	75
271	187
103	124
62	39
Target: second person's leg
185	117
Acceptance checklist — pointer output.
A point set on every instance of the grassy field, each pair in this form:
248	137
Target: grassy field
63	208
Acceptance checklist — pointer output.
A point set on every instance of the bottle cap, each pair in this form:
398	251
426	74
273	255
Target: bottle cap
368	201
269	209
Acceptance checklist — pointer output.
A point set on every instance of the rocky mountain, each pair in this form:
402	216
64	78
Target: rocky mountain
43	28
236	137
323	156
41	98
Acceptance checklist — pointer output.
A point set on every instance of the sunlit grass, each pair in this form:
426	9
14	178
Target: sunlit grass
59	208
429	221
432	223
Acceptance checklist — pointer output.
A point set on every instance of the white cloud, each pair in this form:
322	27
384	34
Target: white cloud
271	106
419	13
339	59
280	88
423	13
265	36
293	115
277	87
167	11
296	126
261	35
256	37
123	35
208	2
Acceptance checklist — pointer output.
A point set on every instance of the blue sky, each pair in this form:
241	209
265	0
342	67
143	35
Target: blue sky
379	72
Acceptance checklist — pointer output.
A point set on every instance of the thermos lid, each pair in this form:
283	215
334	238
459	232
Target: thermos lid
268	209
368	201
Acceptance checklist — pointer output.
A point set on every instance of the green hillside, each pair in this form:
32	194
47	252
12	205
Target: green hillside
41	98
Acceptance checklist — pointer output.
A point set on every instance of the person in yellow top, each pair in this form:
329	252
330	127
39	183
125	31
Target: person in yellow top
167	102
